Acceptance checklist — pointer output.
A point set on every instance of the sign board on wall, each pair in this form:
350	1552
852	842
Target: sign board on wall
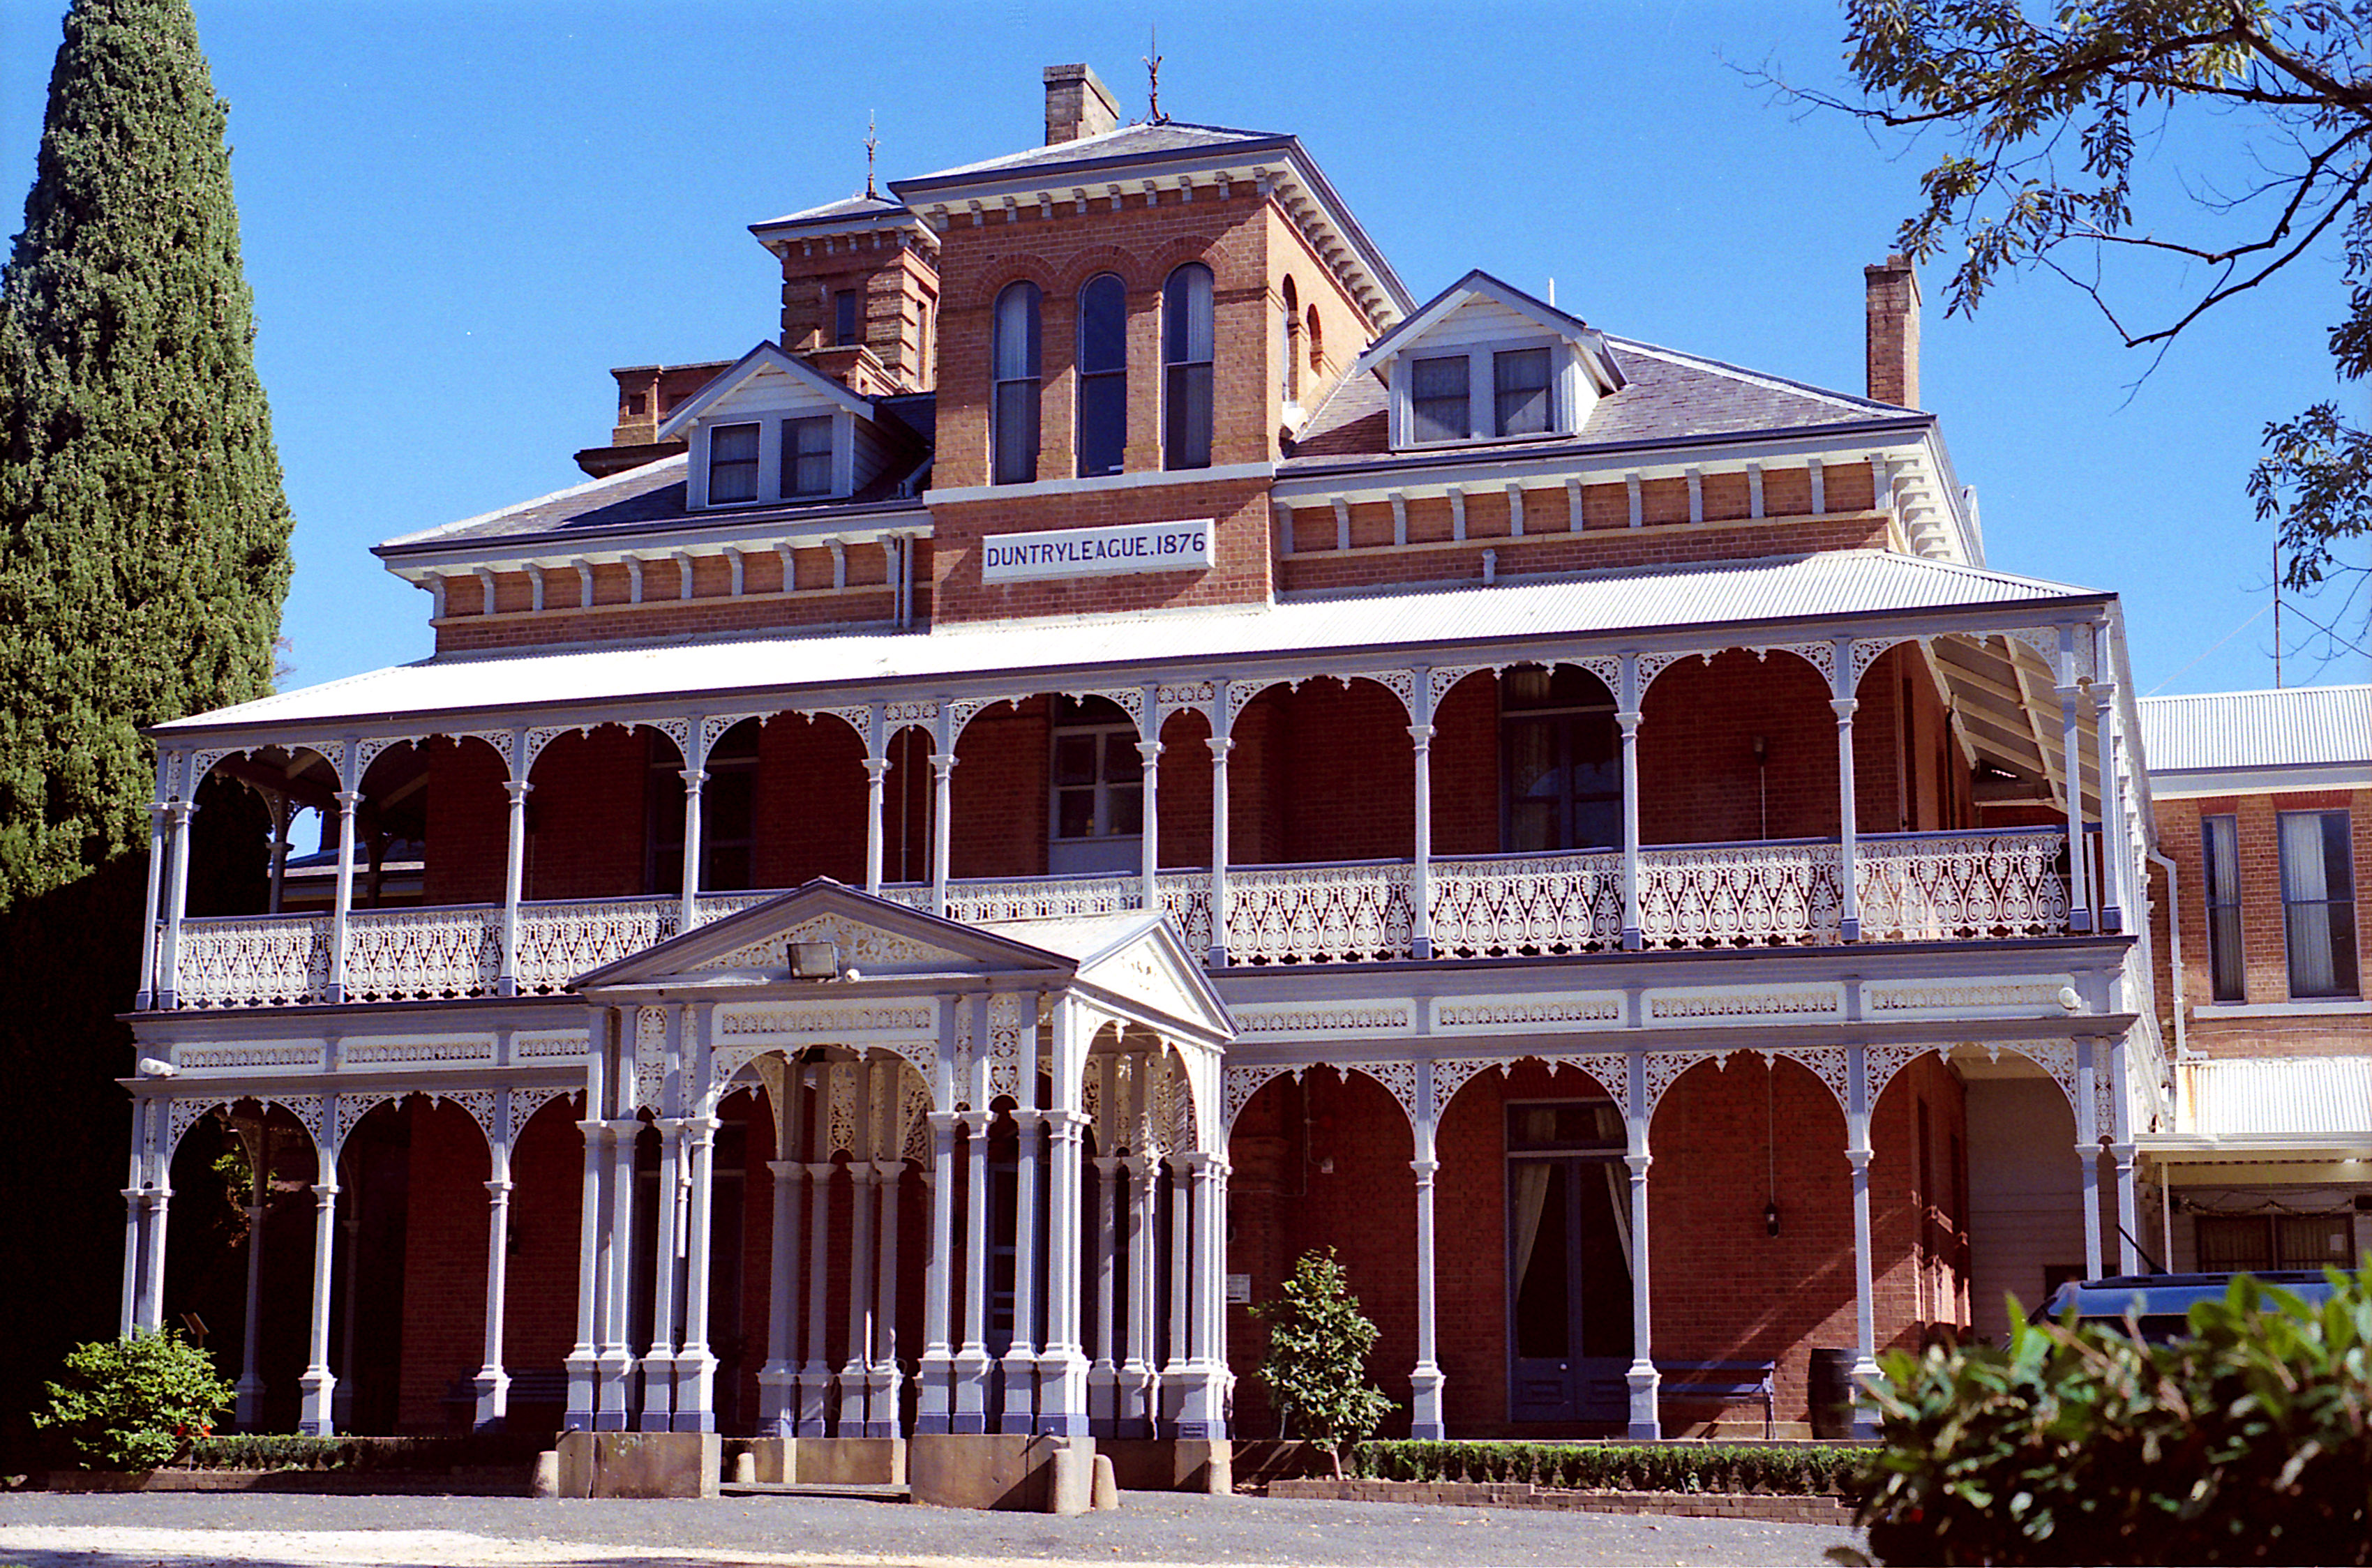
1097	552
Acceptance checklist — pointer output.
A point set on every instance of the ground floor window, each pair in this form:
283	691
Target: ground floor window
1568	1262
2256	1242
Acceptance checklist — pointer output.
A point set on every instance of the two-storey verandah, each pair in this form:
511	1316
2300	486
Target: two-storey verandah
1983	636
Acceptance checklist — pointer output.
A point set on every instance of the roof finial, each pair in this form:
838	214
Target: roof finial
872	144
1153	78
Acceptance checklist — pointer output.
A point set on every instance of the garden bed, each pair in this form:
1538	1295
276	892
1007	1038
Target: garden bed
1798	1509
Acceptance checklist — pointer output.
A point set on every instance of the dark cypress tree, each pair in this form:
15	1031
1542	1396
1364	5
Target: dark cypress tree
143	554
144	537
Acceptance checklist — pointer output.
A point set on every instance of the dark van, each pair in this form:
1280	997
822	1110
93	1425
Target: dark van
2160	1304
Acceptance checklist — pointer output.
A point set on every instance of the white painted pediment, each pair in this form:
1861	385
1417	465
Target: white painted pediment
1153	970
765	379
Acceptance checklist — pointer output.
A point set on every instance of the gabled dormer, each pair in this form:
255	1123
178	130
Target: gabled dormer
1487	362
774	429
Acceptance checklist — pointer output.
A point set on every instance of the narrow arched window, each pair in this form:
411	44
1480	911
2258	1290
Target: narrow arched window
1013	418
1103	375
1290	349
1186	369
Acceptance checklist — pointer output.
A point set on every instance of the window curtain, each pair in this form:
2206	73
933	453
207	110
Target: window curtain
1618	1192
2305	894
2224	958
1532	1197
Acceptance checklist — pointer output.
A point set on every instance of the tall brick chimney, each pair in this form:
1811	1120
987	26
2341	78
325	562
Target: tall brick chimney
1893	332
1078	104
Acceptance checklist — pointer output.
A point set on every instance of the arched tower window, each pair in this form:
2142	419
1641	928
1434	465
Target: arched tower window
1013	415
1289	347
1186	369
1103	375
1317	346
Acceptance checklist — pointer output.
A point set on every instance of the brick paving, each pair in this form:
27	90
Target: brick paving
169	1530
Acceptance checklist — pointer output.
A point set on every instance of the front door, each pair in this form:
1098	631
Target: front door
1568	1262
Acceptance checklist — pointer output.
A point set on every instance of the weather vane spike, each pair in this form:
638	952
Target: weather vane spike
1152	78
872	144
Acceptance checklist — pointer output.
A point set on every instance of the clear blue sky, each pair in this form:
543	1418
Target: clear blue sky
458	217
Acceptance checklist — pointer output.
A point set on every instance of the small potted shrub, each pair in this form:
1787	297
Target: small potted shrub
134	1403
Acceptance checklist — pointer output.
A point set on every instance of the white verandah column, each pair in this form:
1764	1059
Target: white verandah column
2079	901
1626	718
695	1364
1140	1403
1202	1414
256	1139
934	1404
514	865
1425	1380
2105	751
1859	1154
887	1381
318	1383
1645	1383
177	899
1063	1367
583	1359
2088	1151
135	1225
815	1373
1843	701
149	934
1421	867
342	909
943	767
493	1383
1221	742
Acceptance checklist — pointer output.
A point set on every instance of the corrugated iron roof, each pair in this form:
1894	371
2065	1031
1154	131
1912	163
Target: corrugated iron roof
1378	630
2295	726
2302	1096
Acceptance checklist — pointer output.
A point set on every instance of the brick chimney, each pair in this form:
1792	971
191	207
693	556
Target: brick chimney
1893	332
1078	104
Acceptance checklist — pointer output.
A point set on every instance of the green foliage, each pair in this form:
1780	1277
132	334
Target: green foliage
2248	1442
1791	1469
134	1403
1316	1364
265	1451
143	534
2050	112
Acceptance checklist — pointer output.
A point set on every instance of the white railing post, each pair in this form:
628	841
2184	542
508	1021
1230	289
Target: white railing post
342	911
1221	743
1627	716
177	899
1420	874
2070	751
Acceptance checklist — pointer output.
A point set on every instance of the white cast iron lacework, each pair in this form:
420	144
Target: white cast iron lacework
1664	1067
650	1058
1319	914
560	941
264	961
1239	1087
1821	656
1881	1062
725	1066
478	1103
544	1046
869	948
2055	1057
794	1019
1731	1001
1610	1069
1448	1078
1867	652
460	1047
1399	1079
987	903
525	1103
1832	1064
1498	908
1526	1014
1739	895
914	1121
420	955
1005	1027
1940	886
353	1107
2043	993
224	1057
183	1114
1349	1017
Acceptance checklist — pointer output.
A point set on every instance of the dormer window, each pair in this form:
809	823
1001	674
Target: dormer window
1519	379
807	456
1438	399
732	464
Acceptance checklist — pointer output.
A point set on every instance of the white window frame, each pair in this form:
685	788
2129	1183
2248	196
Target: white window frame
1100	849
771	423
1482	401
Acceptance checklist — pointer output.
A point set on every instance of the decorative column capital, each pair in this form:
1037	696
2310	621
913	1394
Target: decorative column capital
181	811
942	764
876	769
518	789
347	799
1629	719
692	778
499	1189
1220	746
1150	751
1426	1170
1845	707
1421	734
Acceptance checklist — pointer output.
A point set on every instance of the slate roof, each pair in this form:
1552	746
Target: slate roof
1128	143
859	206
652	496
1670	395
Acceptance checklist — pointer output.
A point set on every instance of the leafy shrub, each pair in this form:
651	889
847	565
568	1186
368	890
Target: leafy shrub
2247	1442
1789	1469
135	1402
1316	1364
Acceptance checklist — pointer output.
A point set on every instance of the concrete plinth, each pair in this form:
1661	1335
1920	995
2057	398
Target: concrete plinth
1171	1464
1014	1472
640	1464
829	1461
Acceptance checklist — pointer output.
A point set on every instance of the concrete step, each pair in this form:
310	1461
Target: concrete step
861	1492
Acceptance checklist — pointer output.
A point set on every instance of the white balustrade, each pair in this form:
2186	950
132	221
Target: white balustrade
1315	914
558	942
1502	906
273	961
1748	895
1962	887
1915	888
412	954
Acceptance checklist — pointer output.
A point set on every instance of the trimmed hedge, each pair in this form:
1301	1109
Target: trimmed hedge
1790	1470
270	1451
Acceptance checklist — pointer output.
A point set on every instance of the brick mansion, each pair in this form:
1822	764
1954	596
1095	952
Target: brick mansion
1124	746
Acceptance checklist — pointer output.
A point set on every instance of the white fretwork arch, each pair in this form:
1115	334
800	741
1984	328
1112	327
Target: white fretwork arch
1832	1064
1242	1083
